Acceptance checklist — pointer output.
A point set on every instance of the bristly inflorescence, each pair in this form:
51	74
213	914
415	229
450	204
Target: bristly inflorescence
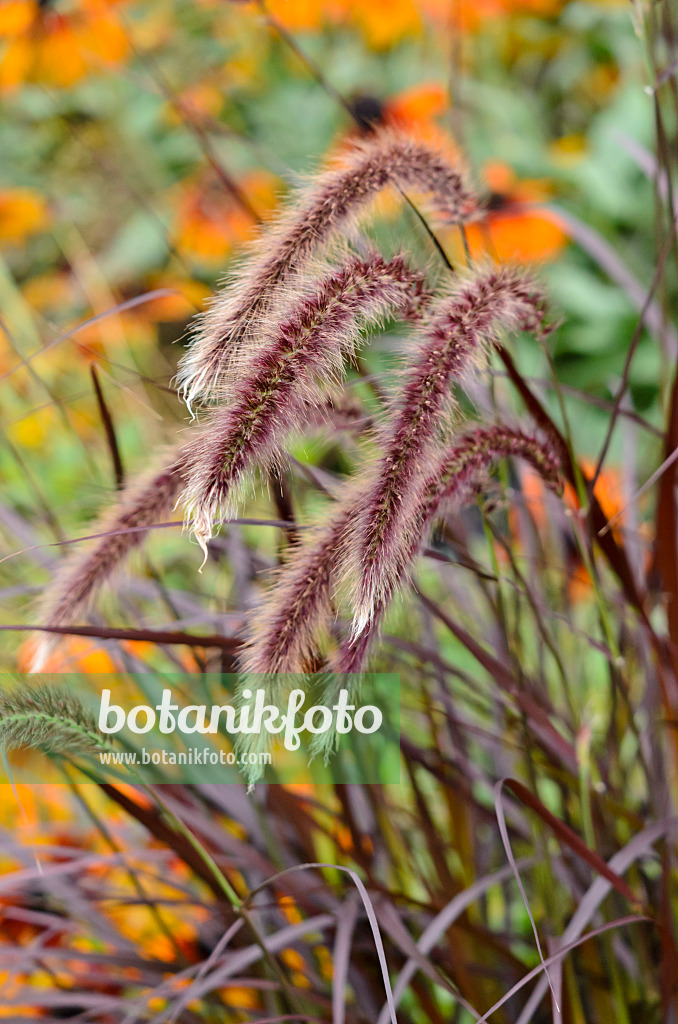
273	346
47	718
326	209
117	533
273	385
454	343
453	477
300	602
288	375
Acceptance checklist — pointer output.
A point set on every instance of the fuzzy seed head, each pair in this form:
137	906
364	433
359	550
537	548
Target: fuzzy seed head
144	503
299	603
326	209
453	478
449	348
287	377
47	718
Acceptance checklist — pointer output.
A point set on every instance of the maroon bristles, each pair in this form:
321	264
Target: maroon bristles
287	376
144	503
453	344
452	480
327	208
299	603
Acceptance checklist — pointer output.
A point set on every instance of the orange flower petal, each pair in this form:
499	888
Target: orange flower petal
102	36
15	63
303	15
420	103
74	654
523	236
57	57
16	16
22	213
386	22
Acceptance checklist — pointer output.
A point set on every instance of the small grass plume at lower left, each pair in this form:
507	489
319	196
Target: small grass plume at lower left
47	718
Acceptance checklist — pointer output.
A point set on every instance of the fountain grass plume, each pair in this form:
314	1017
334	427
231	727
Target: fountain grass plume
324	211
47	718
452	480
298	604
288	375
122	529
284	632
453	344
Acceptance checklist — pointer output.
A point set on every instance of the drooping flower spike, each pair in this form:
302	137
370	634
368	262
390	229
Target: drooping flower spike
326	209
47	718
266	353
288	375
451	346
286	628
121	530
330	206
452	480
300	602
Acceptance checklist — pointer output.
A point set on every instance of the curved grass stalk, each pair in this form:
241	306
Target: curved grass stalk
452	480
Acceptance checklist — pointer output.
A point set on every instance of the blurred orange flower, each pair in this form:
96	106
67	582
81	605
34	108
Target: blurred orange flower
74	654
385	22
417	107
87	654
188	299
209	222
238	997
608	491
414	110
293	959
49	293
201	100
301	15
513	227
32	431
610	494
56	47
22	213
470	15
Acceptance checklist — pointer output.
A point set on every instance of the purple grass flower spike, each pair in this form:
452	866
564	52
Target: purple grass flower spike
454	343
326	209
144	503
452	480
299	603
287	376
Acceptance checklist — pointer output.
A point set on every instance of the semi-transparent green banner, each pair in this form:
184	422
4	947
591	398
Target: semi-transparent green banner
180	728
